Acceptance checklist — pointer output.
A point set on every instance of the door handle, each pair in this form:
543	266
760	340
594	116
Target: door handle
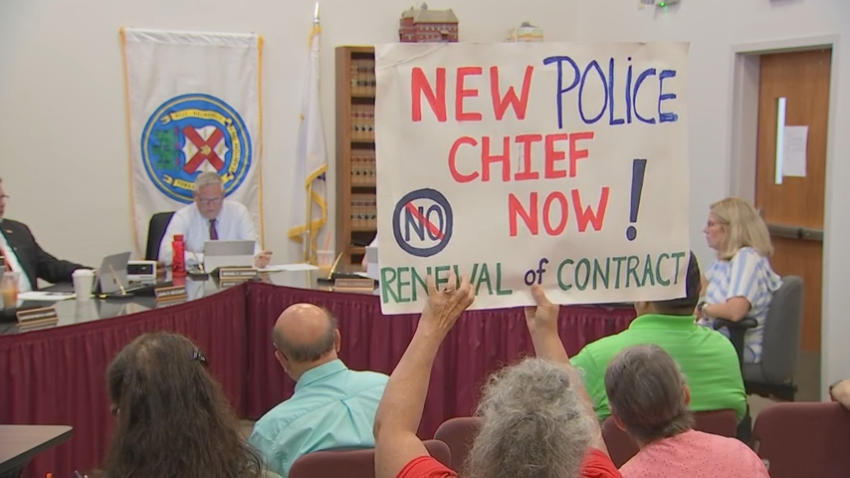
795	232
811	234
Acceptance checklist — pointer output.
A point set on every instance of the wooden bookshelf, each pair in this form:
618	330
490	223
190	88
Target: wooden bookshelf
356	204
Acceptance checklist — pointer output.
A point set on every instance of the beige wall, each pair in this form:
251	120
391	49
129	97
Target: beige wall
62	113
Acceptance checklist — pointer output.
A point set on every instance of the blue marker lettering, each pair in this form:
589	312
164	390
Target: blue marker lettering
665	117
643	76
592	65
560	60
629	93
611	119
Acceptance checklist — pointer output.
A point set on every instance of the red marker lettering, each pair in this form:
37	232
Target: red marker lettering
462	93
501	103
487	159
553	155
588	216
419	85
516	210
457	175
527	140
576	154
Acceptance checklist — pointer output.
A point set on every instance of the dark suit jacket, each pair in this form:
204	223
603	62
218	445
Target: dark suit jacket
37	263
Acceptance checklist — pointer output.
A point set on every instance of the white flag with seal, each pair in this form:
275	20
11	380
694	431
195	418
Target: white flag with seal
193	105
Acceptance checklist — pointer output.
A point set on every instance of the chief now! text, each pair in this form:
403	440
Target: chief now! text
529	209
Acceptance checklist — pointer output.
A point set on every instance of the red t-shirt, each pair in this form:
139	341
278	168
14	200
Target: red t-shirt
596	465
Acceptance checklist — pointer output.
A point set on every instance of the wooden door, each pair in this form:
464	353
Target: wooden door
794	208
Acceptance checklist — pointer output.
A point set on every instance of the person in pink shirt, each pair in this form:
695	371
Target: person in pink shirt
649	400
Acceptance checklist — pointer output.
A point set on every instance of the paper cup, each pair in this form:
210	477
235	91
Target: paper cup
83	282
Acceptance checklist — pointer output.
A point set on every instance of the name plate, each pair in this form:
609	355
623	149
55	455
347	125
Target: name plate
237	273
167	294
41	317
350	283
230	283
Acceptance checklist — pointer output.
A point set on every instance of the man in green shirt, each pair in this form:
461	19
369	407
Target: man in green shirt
706	357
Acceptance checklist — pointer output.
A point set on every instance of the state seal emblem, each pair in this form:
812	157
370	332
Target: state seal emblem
192	133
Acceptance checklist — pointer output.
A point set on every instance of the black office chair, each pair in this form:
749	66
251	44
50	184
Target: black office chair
156	229
774	375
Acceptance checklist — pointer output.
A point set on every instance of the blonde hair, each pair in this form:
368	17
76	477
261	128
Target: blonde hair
743	226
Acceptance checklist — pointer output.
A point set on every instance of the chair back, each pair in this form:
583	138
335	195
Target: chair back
717	422
353	463
804	439
622	448
620	445
459	433
156	229
782	330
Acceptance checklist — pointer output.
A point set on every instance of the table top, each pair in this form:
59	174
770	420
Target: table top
72	311
21	443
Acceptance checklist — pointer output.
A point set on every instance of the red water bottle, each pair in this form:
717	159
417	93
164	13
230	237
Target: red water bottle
178	256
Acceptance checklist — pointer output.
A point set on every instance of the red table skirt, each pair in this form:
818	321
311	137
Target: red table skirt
57	376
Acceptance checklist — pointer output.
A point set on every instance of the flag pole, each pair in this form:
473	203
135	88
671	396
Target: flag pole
308	231
308	238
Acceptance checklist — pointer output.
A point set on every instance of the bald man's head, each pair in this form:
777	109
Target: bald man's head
305	333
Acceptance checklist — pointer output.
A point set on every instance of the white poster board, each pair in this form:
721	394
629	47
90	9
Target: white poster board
561	164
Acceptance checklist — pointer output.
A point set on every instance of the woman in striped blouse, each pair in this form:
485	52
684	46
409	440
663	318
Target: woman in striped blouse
741	282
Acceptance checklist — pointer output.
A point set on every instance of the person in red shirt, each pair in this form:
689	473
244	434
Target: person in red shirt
538	418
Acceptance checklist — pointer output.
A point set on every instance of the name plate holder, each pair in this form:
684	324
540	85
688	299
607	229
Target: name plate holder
354	284
170	294
228	274
37	318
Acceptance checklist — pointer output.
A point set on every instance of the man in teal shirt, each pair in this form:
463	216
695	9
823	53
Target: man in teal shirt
332	407
707	358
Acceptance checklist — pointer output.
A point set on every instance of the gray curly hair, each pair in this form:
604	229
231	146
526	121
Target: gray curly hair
535	424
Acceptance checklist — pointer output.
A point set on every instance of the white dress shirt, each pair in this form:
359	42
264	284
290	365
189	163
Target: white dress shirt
23	281
233	223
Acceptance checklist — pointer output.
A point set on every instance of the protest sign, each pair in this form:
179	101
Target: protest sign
559	164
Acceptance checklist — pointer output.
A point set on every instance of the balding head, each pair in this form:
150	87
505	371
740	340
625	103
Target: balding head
305	334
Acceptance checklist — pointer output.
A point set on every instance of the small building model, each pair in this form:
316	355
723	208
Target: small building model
421	25
526	33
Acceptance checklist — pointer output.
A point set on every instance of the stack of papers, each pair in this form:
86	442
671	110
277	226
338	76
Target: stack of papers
290	268
41	296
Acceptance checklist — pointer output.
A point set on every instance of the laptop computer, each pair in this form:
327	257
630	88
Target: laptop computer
112	275
113	280
218	254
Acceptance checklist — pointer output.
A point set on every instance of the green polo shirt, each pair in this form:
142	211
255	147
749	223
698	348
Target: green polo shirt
706	357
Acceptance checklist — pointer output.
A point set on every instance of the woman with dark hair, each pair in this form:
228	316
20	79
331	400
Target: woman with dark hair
649	399
172	419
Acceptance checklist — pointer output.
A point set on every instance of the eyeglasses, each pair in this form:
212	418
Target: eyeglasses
4	196
210	201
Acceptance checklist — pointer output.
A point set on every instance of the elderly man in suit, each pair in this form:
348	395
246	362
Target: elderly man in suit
21	253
